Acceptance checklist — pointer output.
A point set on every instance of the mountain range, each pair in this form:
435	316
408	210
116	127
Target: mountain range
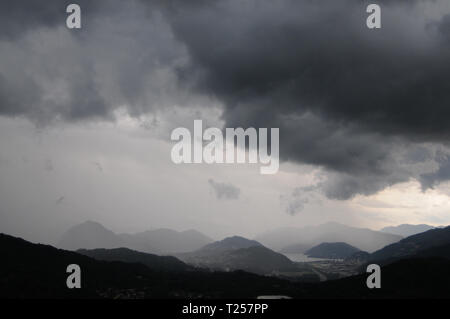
406	230
31	270
365	239
194	249
91	235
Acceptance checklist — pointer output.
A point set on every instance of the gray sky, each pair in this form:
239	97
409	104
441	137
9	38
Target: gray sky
86	115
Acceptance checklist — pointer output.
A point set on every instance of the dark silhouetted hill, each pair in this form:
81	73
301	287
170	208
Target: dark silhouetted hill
32	270
442	251
413	244
409	278
154	262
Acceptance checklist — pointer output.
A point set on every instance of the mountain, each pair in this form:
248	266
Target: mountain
406	230
413	244
31	270
332	251
230	243
365	239
153	262
255	259
239	253
91	235
171	241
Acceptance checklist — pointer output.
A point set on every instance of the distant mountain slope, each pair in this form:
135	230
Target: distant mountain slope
413	244
154	262
91	235
365	239
230	243
239	253
406	230
171	241
255	259
332	251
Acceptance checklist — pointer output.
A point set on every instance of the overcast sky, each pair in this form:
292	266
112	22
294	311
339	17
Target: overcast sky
86	115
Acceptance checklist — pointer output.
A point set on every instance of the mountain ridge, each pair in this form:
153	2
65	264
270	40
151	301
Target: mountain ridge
93	235
363	238
413	244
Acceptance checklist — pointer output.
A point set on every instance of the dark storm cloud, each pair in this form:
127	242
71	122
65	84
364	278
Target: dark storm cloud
20	16
224	190
287	57
444	27
21	86
17	17
430	180
344	97
123	56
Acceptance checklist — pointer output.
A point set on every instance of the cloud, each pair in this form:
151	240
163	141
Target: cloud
304	56
344	97
98	166
441	174
296	201
347	99
60	200
224	190
124	56
48	165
